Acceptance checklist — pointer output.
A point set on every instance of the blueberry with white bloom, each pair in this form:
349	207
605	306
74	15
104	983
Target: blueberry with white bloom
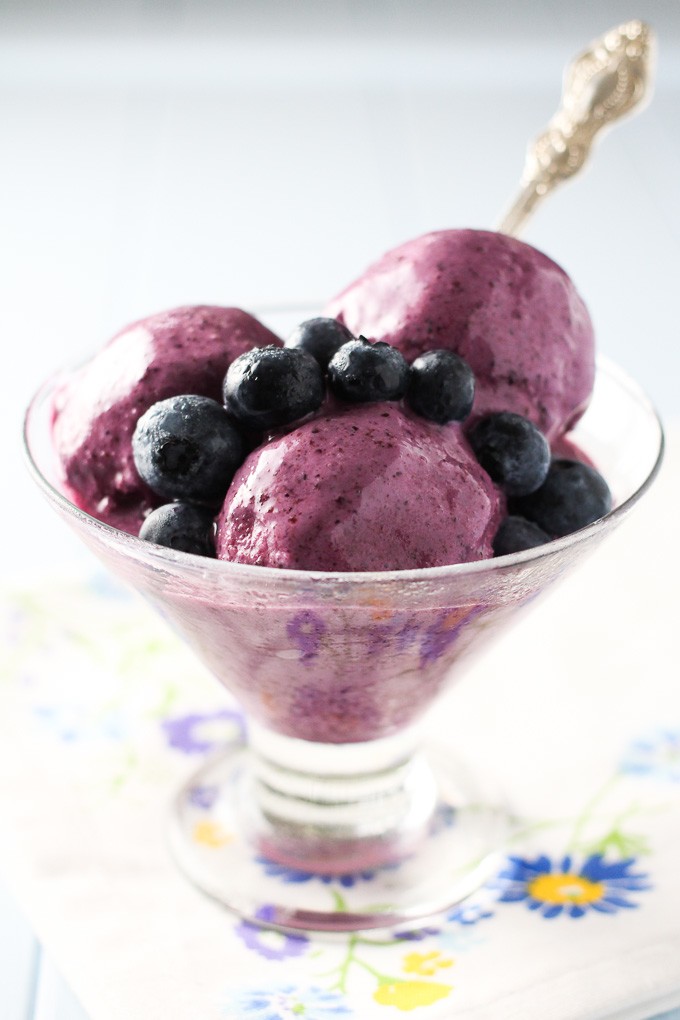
361	372
271	386
187	448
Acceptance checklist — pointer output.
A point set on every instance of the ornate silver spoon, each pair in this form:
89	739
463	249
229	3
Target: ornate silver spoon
610	79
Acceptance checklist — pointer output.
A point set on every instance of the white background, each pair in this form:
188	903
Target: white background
246	153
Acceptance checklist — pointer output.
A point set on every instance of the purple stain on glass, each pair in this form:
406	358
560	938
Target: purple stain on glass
306	630
407	635
399	633
344	709
379	638
184	732
438	638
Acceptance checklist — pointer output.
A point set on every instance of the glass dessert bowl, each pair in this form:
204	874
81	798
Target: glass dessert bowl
336	673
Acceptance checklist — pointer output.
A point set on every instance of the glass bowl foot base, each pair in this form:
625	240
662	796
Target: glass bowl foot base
214	843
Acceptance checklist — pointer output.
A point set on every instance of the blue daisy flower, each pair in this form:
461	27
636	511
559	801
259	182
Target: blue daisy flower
554	888
285	1002
657	756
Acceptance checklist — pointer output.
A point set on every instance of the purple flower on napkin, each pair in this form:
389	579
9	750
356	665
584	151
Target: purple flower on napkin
196	733
554	888
271	944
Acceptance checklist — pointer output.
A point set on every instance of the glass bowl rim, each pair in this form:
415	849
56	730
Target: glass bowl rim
201	565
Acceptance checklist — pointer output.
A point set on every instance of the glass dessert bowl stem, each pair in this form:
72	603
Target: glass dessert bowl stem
337	808
333	816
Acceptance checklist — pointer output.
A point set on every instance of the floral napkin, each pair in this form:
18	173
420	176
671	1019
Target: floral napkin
103	715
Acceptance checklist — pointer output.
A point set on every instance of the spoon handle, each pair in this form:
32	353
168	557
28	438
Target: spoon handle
610	79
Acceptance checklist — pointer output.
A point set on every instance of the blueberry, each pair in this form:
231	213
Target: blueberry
516	534
181	526
320	337
512	451
360	372
188	448
572	496
270	386
441	387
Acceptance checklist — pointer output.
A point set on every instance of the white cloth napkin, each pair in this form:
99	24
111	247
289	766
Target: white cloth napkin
103	715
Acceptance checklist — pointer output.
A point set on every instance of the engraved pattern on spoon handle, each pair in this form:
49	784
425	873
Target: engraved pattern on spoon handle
610	79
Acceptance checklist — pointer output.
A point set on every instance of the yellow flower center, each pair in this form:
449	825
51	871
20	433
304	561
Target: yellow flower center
565	888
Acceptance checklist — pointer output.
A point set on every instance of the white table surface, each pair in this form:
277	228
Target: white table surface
263	152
